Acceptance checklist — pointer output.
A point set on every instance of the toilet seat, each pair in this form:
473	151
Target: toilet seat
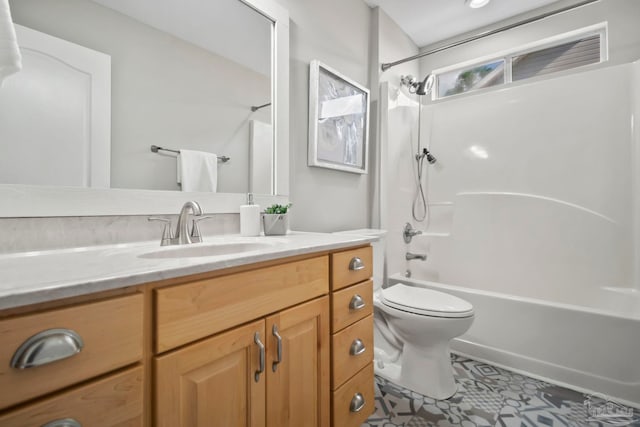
425	302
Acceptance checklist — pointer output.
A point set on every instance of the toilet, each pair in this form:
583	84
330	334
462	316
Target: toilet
418	324
413	329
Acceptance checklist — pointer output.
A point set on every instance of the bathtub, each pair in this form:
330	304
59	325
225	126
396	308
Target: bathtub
591	345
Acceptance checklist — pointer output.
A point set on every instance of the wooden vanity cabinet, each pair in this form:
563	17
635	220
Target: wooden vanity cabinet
107	402
245	346
110	333
298	386
272	371
352	393
211	383
220	381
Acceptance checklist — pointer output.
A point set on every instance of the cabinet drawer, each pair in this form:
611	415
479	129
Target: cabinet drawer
112	401
195	310
347	356
354	402
350	267
350	305
111	332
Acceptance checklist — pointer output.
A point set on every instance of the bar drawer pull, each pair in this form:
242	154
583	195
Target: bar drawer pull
357	303
356	264
67	422
357	403
275	363
256	339
47	347
357	347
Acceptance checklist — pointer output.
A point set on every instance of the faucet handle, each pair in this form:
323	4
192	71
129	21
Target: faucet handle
167	234
196	236
408	233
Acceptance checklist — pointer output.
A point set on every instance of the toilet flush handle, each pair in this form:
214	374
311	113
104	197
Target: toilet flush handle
357	303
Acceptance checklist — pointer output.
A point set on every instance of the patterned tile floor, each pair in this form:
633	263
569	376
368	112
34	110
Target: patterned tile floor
488	396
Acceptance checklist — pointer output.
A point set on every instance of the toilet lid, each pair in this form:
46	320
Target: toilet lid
426	302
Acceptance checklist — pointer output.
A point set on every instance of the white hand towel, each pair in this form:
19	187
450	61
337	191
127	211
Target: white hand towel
10	58
198	171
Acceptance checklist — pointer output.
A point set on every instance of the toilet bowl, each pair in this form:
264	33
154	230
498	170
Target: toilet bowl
418	324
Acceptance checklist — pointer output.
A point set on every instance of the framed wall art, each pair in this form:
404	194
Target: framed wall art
338	121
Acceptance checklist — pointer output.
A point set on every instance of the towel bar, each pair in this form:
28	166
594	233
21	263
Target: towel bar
155	149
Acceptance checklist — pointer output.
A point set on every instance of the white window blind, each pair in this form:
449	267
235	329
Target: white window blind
556	58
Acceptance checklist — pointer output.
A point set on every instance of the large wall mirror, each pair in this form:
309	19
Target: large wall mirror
190	75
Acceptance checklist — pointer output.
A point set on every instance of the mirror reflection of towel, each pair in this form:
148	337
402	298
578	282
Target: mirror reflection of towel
198	171
10	58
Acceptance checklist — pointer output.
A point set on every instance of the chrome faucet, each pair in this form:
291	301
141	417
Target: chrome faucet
409	256
182	236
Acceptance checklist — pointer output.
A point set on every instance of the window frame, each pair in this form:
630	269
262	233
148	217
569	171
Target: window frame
507	56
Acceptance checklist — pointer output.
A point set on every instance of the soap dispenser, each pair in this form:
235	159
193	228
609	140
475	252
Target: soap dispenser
250	218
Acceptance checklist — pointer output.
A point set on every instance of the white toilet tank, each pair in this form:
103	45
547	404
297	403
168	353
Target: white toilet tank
378	252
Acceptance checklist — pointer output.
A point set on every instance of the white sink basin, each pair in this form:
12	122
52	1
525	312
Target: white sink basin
206	249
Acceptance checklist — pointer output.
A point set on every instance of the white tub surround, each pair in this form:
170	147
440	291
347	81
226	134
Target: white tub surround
533	220
40	276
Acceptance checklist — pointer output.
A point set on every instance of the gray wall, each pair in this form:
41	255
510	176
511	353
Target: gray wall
336	33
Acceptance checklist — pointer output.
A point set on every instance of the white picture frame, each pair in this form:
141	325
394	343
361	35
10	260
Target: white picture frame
338	121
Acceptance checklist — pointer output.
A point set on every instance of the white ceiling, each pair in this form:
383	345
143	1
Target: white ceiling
430	21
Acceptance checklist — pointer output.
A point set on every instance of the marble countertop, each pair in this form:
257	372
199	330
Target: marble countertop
34	277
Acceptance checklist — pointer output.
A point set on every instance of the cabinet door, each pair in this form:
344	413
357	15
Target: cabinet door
213	383
298	380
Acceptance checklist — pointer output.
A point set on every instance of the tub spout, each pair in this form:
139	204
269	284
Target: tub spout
409	256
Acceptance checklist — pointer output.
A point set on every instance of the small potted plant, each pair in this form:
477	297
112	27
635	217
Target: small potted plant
275	220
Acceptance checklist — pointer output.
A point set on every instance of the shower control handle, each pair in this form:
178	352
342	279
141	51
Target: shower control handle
356	264
357	403
357	347
357	303
408	233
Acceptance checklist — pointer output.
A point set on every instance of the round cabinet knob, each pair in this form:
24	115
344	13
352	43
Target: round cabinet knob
357	347
357	303
357	403
67	422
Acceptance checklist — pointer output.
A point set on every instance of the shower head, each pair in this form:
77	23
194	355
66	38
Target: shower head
426	153
425	86
408	81
430	157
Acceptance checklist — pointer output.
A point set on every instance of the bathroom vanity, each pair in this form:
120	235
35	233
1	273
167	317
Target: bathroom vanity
276	335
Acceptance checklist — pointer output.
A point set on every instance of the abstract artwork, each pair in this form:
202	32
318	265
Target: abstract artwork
338	121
